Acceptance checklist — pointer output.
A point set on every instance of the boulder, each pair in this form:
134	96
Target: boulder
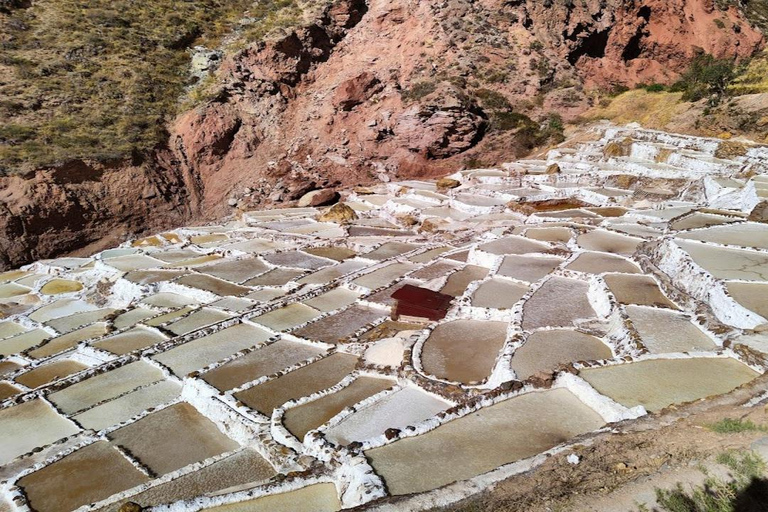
322	197
339	213
760	212
446	183
356	91
554	169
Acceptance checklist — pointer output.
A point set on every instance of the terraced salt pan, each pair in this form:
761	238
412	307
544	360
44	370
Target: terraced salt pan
463	350
558	303
129	405
21	342
331	252
726	263
308	416
236	271
31	425
90	474
260	363
606	241
434	271
746	234
338	327
700	220
8	367
753	296
309	379
276	277
7	390
554	234
514	245
335	299
330	273
664	331
50	372
214	285
659	383
105	386
313	498
135	339
498	294
407	406
287	317
545	351
637	289
169	300
241	468
297	259
8	329
172	438
69	340
383	276
72	322
484	440
458	282
201	352
198	320
528	268
601	262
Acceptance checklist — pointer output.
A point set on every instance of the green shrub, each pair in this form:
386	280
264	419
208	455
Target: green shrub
419	90
731	426
706	77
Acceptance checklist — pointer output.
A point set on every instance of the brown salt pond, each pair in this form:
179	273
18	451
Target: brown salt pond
338	327
172	438
498	294
333	253
553	234
88	475
31	425
313	498
239	469
458	282
663	331
637	289
69	340
300	420
7	390
265	361
545	351
50	372
214	285
484	440
514	245
658	383
302	382
600	262
201	352
528	268
137	338
463	350
236	271
297	259
558	303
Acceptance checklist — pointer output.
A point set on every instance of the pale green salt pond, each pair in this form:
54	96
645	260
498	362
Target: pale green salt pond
484	440
658	383
69	340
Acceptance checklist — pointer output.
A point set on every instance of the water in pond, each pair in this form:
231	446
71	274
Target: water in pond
236	271
213	285
69	340
383	276
172	438
435	270
664	331
338	327
555	234
8	329
484	440
333	253
153	276
601	262
265	361
389	250
748	234
198	320
49	372
498	293
458	282
71	322
313	498
31	425
514	245
658	383
463	350
335	299
59	286
328	274
21	342
169	300
545	351
528	268
637	289
90	474
287	317
276	277
753	296
724	263
558	303
300	420
7	390
606	241
406	406
297	259
309	379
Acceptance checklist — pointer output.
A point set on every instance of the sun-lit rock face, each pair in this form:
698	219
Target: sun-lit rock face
197	367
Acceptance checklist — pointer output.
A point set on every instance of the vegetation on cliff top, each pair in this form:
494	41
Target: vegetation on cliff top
98	79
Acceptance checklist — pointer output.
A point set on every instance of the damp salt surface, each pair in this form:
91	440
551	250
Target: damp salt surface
198	320
300	420
214	285
463	350
153	276
71	322
302	382
658	383
337	327
69	340
236	271
335	299
287	317
406	406
169	300
49	372
700	220
127	406
90	474
297	259
558	303
7	390
21	342
637	289
514	245
172	438
435	270
545	351
105	386
328	274
725	263
333	253
8	329
664	331
600	262
604	241
31	425
383	276
528	268
498	294
458	282
201	352
276	277
753	296
484	440
389	250
260	363
313	498
746	234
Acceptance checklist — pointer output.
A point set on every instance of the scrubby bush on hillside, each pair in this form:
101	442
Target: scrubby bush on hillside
707	77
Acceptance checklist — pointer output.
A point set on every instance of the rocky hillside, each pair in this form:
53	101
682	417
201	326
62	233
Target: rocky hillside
339	93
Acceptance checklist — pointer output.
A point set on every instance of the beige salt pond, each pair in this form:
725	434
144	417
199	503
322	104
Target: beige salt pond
338	327
663	331
726	263
600	262
545	351
484	440
265	361
658	383
59	286
753	296
528	268
31	425
637	289
236	271
50	372
287	317
137	338
458	282
498	294
463	350
69	340
383	276
313	498
300	420
309	379
558	303
605	241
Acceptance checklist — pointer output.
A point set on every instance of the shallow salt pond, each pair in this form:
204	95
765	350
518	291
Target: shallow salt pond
31	425
153	276
69	340
214	285
90	474
309	379
201	352
260	363
71	322
8	329
545	351
198	320
637	289
7	390
276	277
59	286
498	294
463	350
383	276
558	303
435	270
514	245
287	317
528	268
601	262
484	440
700	220
753	296
335	299
172	438
298	259
724	263
21	342
554	234
300	420
169	300
458	282
664	331
404	407
313	498
338	327
50	372
332	252
658	383
389	250
747	234
605	241
236	271
328	274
